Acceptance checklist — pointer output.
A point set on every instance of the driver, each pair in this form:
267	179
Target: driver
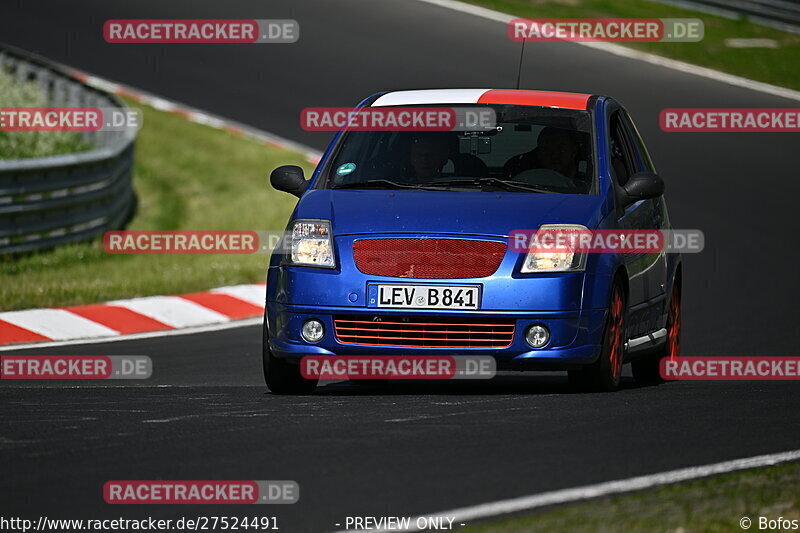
428	154
556	150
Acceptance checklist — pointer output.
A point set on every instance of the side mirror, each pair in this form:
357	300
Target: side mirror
289	178
643	186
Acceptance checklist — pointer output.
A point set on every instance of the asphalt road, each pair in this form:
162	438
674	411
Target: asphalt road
405	449
412	449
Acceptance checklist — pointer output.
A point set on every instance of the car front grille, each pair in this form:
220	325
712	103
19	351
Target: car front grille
428	258
424	332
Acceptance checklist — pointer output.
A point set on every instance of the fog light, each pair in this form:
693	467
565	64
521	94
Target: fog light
313	330
537	336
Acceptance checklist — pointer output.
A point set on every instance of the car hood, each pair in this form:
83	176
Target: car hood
466	212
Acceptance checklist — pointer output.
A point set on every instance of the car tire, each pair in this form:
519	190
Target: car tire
605	374
648	371
281	376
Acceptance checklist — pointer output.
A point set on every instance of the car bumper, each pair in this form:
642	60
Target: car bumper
575	336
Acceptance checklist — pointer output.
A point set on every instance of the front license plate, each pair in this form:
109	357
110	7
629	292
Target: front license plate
425	296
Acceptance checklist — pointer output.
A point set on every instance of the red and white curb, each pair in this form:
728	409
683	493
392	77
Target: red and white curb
133	316
194	115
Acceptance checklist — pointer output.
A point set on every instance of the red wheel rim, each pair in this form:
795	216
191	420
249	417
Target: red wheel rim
616	333
674	325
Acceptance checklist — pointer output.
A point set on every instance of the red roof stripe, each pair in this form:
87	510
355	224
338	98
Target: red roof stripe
537	98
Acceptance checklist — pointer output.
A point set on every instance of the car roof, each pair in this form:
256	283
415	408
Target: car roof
555	99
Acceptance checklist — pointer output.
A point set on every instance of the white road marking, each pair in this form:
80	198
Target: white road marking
162	104
172	419
459	413
172	311
254	294
102	84
207	120
534	501
623	51
57	324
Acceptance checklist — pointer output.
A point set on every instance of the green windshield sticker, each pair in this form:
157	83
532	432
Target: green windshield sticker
345	169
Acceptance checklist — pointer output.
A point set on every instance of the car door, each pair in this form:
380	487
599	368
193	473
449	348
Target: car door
639	215
656	263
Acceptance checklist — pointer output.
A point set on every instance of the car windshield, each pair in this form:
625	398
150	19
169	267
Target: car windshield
531	149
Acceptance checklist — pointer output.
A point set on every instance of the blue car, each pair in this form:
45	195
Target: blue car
399	243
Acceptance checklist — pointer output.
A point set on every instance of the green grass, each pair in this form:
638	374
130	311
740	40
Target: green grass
709	505
25	144
779	66
187	177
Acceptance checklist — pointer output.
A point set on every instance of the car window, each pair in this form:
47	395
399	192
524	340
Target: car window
532	149
621	157
644	162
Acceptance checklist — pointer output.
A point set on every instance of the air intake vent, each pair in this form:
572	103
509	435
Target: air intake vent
424	332
428	258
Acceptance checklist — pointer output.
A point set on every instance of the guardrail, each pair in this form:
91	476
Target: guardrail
781	14
49	201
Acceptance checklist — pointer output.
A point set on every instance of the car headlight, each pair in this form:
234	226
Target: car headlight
555	249
311	243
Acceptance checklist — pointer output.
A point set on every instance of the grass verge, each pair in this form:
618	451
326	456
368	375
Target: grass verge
26	144
778	66
710	505
187	176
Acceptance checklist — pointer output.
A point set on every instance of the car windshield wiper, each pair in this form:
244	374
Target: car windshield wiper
495	182
387	184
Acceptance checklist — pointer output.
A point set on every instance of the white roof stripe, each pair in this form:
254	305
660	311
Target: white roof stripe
430	96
